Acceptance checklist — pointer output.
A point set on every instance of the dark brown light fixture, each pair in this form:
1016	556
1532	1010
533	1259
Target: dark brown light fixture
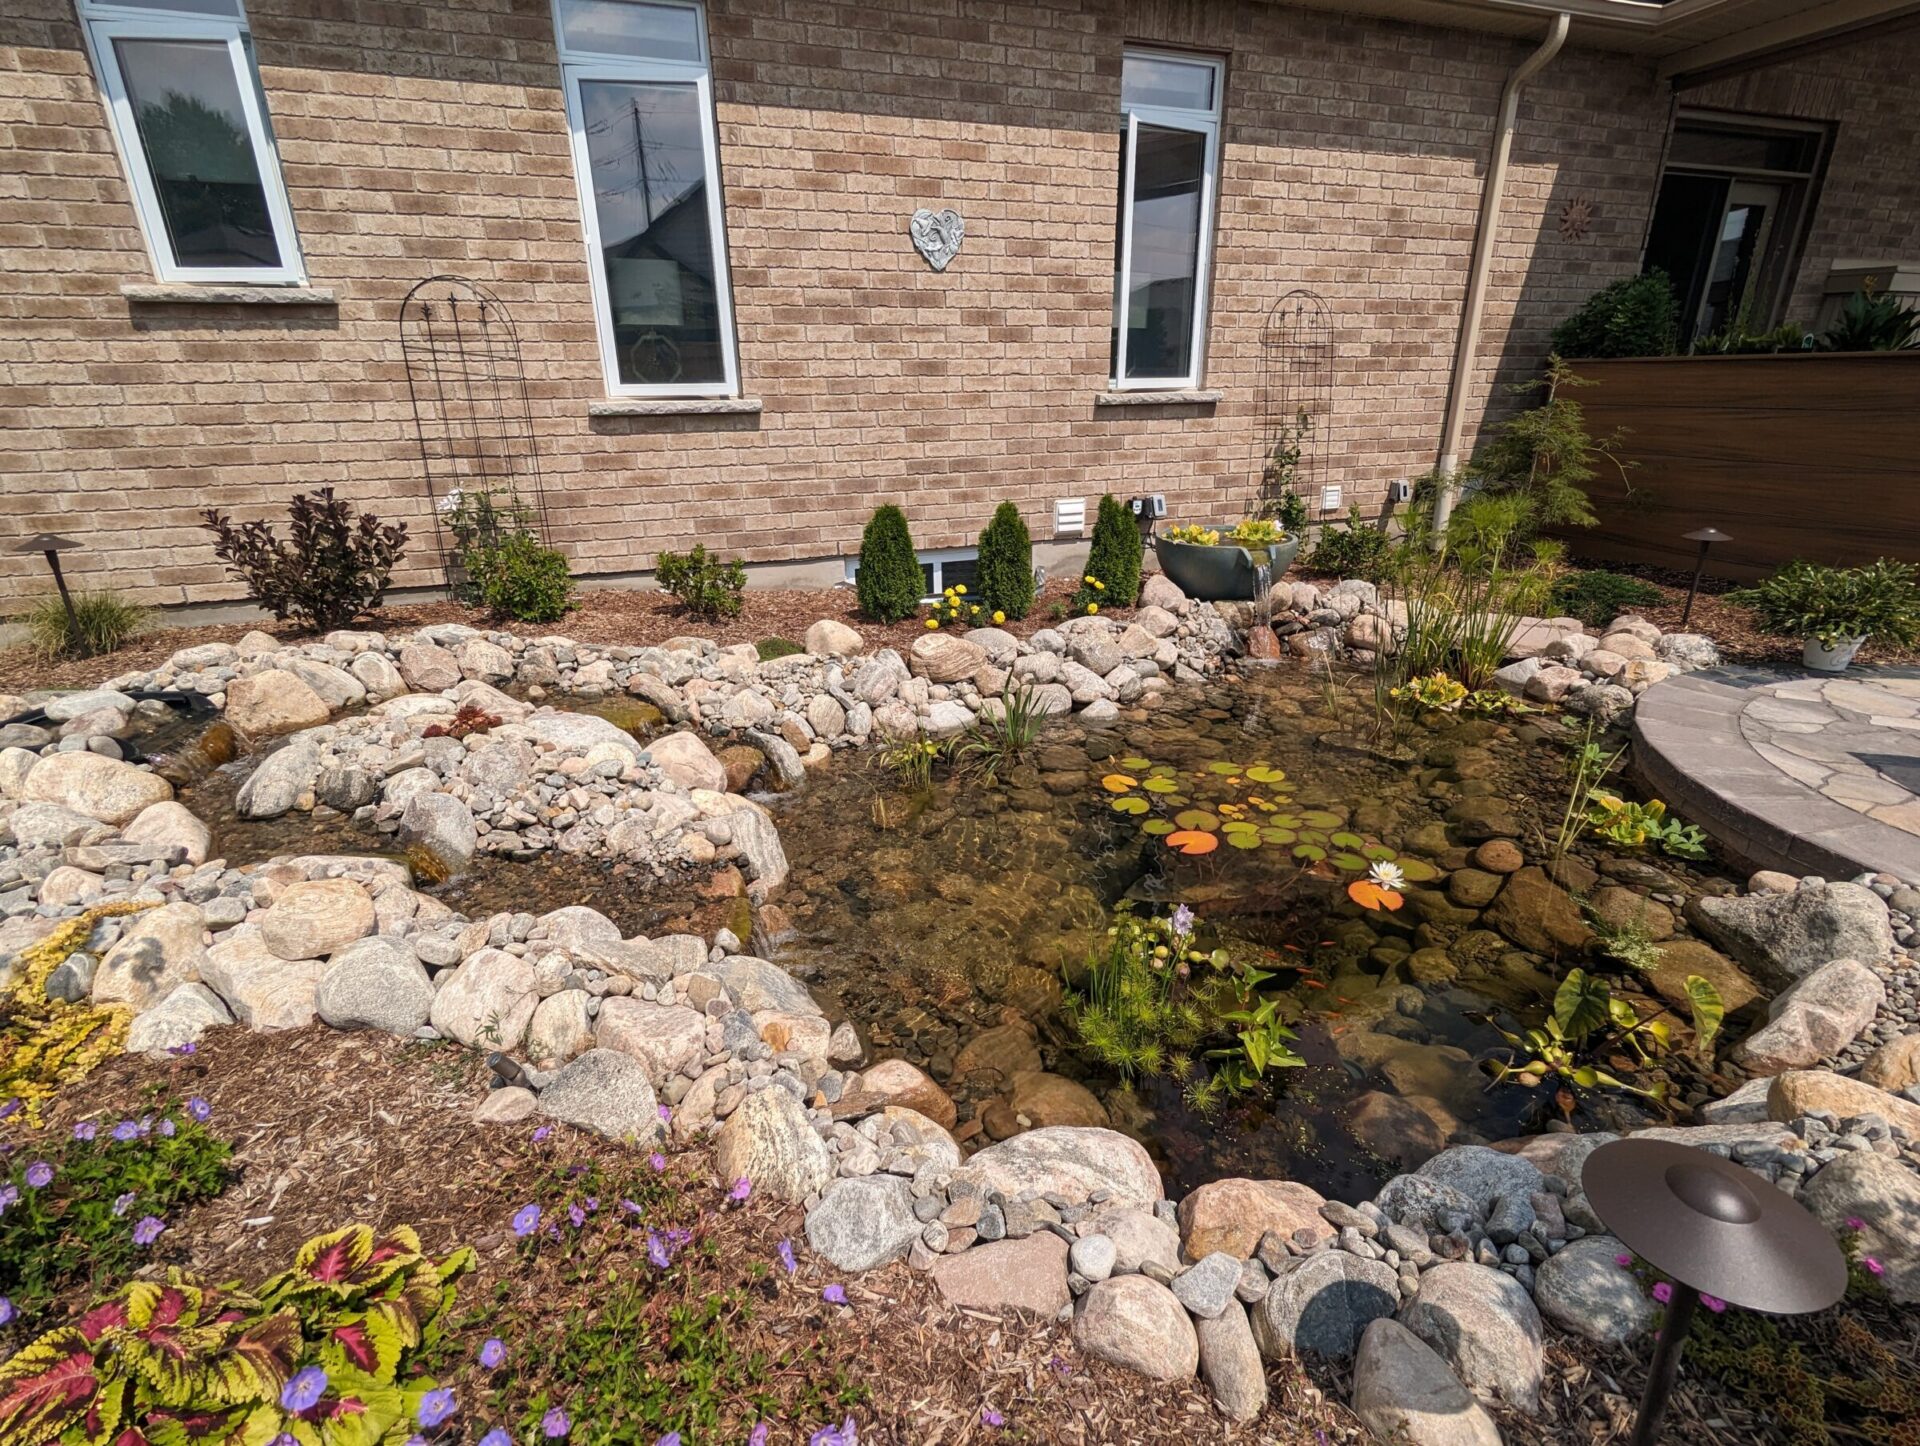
1716	1228
52	544
1706	537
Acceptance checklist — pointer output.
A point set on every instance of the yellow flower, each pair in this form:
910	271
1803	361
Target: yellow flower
933	622
1088	578
998	616
1099	586
1093	607
960	588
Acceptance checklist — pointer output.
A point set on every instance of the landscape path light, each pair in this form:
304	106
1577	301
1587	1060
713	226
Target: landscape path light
1716	1228
52	544
1706	537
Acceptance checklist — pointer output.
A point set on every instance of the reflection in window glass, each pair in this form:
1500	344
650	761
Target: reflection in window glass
1163	80
193	129
644	143
626	28
1169	169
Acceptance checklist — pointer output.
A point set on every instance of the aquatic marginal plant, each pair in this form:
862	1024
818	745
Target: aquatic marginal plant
1628	825
1589	1021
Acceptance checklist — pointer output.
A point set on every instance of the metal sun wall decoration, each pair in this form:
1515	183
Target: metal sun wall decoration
937	235
1576	219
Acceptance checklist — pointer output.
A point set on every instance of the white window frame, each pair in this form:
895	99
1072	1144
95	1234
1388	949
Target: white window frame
575	67
1207	125
104	24
936	557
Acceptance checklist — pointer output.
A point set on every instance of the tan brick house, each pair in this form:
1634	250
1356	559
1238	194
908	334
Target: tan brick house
698	216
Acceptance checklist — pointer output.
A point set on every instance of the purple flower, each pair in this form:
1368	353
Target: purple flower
11	1108
657	1251
592	1203
835	1294
1059	1367
742	1188
577	1216
199	1109
526	1220
632	1207
124	1203
1713	1303
1624	1261
182	1049
85	1130
148	1229
555	1424
1183	920
496	1437
666	1114
7	1312
759	1436
9	1197
1856	1224
991	1417
658	1161
786	1257
493	1353
1662	1292
435	1407
672	1438
39	1174
844	1434
166	1129
304	1391
1873	1266
541	1133
126	1130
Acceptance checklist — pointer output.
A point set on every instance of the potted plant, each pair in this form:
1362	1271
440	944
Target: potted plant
1837	609
1225	567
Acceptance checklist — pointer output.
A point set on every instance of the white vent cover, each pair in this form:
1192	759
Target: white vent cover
1330	498
1069	516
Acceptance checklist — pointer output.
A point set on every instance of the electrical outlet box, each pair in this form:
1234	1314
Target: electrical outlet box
1400	490
1150	508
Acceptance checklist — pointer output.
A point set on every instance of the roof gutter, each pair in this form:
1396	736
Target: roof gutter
1468	344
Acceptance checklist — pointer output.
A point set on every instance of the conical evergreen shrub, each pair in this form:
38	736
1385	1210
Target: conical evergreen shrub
889	581
1006	563
1114	557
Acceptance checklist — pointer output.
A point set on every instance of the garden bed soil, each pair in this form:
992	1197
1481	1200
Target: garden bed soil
628	617
335	1128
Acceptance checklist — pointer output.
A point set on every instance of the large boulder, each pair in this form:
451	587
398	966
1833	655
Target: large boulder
1681	958
1232	1215
1584	1289
95	785
441	826
312	919
263	990
273	701
1483	1175
561	1027
1320	1303
1230	1363
1800	1092
896	1082
829	638
1894	1066
335	687
945	658
1883	1195
170	825
488	1002
280	780
52	825
1404	1391
861	1224
1039	1098
1137	1323
1028	1274
181	1018
686	760
770	1141
754	985
606	1092
1815	1019
1071	1161
1485	1326
428	667
161	950
375	983
664	1037
1537	914
1785	936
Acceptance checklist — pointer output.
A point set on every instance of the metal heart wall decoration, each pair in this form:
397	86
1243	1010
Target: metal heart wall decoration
937	235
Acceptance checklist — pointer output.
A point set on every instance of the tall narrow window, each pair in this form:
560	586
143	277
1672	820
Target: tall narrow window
191	123
640	102
1168	164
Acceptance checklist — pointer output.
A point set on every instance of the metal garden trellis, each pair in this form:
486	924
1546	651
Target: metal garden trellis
471	412
1296	402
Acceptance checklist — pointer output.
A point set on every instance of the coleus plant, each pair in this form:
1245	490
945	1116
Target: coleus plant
319	1353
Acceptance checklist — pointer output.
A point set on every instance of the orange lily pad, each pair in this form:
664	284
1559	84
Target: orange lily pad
1193	841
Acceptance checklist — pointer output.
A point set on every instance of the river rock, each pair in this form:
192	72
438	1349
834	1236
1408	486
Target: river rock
686	760
51	825
770	1141
1070	1161
375	983
1028	1275
1785	936
1884	1196
428	667
1404	1391
895	1082
664	1037
575	927
1230	1363
1894	1067
945	658
1682	957
378	676
561	1027
279	780
1483	1175
1039	1099
603	1091
161	950
863	1223
1584	1289
171	825
1319	1304
1815	1019
488	1001
440	825
1232	1215
1397	1130
181	1018
271	702
830	638
1485	1326
993	1057
1538	914
335	687
1138	1237
1136	1322
1800	1092
758	841
1206	1288
754	985
312	919
95	785
263	990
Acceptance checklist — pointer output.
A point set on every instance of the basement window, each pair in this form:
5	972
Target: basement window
939	570
190	120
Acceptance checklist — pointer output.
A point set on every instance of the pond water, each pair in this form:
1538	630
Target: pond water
929	916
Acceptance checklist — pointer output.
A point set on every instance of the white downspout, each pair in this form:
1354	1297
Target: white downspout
1468	345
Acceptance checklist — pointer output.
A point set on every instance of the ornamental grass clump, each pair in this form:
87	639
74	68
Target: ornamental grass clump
1006	565
101	622
889	581
86	1210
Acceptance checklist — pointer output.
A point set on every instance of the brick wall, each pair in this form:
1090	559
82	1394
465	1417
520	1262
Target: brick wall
432	138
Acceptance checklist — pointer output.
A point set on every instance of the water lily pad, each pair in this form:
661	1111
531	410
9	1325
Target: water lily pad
1136	764
1418	871
1352	863
1266	773
1163	770
1285	820
1156	827
1244	840
1379	851
1347	840
1312	853
1278	835
1193	841
1131	805
1159	785
1233	826
1195	818
1313	836
1223	769
1119	783
1320	818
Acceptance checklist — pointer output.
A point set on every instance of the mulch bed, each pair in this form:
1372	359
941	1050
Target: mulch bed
627	617
333	1128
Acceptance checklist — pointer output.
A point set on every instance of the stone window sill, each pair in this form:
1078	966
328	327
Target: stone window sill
674	407
226	294
1182	397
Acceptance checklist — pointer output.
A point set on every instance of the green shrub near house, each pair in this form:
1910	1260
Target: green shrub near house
889	582
705	583
1112	578
1635	316
1006	564
516	577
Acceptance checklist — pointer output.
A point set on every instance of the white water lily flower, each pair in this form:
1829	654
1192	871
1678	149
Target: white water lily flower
1386	875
